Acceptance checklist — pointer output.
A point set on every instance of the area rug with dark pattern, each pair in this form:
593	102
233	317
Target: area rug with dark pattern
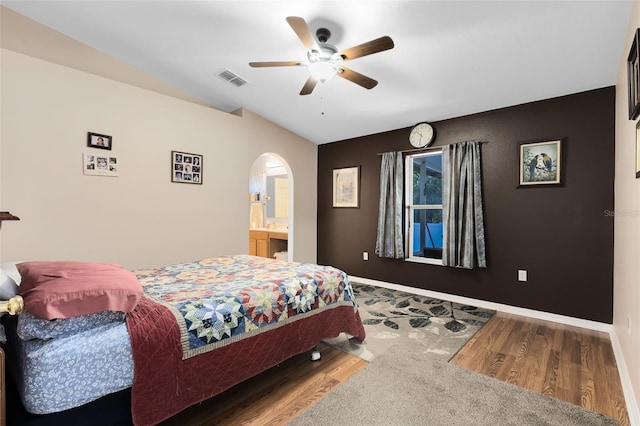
418	323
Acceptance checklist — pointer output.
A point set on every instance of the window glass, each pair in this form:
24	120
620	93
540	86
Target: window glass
427	179
424	230
427	233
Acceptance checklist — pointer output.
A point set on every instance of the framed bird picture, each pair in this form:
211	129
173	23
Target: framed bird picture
540	163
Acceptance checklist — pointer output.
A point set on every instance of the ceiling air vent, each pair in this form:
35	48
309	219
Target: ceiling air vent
231	77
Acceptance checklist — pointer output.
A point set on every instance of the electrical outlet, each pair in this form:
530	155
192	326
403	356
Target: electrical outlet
522	275
365	255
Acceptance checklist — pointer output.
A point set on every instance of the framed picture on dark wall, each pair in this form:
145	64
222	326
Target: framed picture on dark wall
346	187
540	163
633	77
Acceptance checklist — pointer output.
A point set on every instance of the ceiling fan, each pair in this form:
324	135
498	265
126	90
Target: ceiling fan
324	60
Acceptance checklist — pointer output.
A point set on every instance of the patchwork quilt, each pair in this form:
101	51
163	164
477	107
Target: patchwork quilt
205	326
221	300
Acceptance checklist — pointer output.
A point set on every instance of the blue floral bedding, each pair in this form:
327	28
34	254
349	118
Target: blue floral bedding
30	327
72	369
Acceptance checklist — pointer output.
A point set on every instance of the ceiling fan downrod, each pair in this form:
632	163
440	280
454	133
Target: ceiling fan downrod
323	34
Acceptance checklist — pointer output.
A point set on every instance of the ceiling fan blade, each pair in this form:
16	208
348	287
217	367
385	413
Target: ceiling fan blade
357	78
374	46
301	29
275	64
309	86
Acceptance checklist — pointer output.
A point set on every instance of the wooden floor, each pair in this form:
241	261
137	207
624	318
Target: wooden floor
276	396
569	363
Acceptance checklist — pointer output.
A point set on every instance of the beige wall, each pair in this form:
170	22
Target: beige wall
627	228
139	218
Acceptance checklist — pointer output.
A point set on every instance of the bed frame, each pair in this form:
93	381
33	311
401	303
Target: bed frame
117	408
13	306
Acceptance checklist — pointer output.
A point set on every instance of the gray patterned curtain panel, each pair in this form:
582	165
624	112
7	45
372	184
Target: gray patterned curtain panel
390	241
464	243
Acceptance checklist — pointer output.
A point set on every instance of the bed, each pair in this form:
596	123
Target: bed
181	334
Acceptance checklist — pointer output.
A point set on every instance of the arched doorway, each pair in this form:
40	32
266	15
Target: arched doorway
271	207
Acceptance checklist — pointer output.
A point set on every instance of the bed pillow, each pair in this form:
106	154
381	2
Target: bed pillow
69	289
30	327
10	269
8	286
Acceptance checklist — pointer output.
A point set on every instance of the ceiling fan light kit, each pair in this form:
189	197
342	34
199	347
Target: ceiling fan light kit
323	71
324	60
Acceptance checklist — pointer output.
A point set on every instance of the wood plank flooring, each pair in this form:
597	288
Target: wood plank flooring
572	364
569	363
276	396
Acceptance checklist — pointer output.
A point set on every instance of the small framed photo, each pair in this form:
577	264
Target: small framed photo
99	165
638	150
540	163
96	140
346	187
633	77
186	167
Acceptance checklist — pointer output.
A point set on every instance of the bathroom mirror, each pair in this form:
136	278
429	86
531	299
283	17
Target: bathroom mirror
277	197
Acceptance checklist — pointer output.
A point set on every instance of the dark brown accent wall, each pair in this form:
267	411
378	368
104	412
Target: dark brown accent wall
563	236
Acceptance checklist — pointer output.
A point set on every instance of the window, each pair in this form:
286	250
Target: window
424	230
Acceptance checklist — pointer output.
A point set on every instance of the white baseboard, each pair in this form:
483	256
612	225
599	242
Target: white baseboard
629	395
546	316
632	407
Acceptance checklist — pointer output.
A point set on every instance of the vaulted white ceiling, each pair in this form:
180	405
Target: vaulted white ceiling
451	58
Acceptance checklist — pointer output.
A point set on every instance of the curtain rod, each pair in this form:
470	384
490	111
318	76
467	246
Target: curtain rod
431	148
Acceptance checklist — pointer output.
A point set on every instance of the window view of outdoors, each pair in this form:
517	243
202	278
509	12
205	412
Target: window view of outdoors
426	206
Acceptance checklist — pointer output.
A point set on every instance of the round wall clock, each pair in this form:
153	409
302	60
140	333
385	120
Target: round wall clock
422	135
